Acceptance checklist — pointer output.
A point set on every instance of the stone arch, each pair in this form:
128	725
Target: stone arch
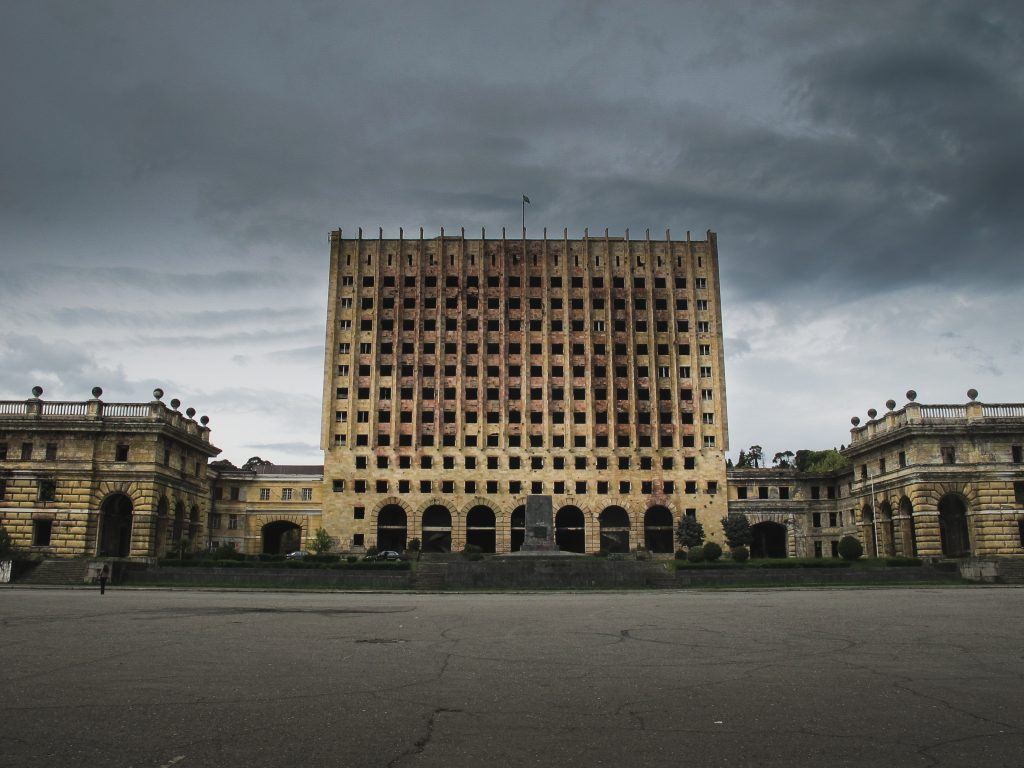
117	517
571	528
481	527
954	531
659	528
517	527
391	523
280	536
163	512
193	522
770	539
614	529
178	525
436	523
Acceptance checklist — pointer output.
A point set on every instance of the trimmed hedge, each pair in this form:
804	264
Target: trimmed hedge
899	562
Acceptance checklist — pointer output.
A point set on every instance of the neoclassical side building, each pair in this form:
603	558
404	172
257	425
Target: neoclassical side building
463	374
923	481
93	478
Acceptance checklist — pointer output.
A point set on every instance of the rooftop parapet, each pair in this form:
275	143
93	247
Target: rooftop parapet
914	413
36	408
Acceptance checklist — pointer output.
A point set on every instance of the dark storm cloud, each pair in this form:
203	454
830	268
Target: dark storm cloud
170	171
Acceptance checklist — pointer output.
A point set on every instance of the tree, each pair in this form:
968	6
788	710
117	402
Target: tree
783	459
736	526
255	462
820	461
322	542
741	460
689	533
755	456
6	544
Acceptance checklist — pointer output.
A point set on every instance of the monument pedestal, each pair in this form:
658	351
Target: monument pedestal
539	536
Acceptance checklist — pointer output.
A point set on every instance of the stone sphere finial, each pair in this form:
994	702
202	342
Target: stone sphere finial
973	394
890	404
872	413
37	391
204	420
175	403
190	412
158	393
911	395
96	392
855	421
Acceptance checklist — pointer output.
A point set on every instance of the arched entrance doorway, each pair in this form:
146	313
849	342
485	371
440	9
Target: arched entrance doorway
886	541
193	524
281	537
392	528
480	528
614	522
116	526
867	520
658	529
956	540
437	529
570	530
907	527
518	525
769	540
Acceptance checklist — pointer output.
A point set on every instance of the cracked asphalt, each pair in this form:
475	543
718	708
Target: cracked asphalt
824	677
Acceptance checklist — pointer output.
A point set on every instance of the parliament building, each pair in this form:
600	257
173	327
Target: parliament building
462	375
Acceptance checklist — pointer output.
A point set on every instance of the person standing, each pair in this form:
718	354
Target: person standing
104	575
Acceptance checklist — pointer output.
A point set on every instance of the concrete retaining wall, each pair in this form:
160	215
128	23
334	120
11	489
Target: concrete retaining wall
797	576
269	577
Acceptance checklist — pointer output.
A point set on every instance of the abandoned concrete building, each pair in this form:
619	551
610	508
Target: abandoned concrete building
463	374
103	479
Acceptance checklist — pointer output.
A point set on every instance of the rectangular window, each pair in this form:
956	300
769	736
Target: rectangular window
26	451
233	522
1017	454
42	530
815	492
338	486
215	520
286	494
948	454
51	451
265	492
235	493
3	451
817	549
741	492
832	519
121	453
816	519
357	539
762	492
307	494
47	490
3	489
783	492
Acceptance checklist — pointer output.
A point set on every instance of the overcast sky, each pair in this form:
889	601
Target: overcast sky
169	172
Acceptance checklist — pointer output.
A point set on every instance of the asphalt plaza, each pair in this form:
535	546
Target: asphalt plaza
773	677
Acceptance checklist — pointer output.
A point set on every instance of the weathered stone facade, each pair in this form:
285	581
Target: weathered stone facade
923	481
462	375
93	478
265	508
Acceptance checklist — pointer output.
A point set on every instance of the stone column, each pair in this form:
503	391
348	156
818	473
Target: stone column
929	538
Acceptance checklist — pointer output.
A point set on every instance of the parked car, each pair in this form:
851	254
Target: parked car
296	555
387	554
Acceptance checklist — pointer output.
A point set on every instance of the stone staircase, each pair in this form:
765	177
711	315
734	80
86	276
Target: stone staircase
56	573
1010	571
430	576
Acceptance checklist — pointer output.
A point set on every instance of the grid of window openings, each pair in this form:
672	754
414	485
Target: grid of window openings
589	345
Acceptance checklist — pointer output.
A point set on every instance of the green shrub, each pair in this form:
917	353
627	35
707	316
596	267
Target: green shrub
601	553
850	548
472	552
689	533
695	555
736	527
352	559
712	551
413	545
321	558
7	548
322	542
372	552
740	554
680	554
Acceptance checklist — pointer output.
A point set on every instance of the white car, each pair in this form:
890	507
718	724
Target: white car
296	555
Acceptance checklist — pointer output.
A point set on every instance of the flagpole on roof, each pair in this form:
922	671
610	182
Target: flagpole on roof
525	201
